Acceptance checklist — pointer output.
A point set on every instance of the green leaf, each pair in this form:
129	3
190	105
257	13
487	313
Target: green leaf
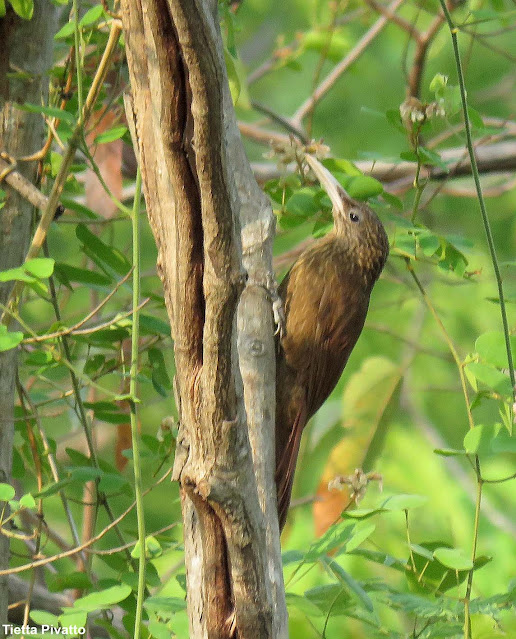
65	31
110	256
49	111
67	273
16	274
394	118
2	8
91	16
339	165
404	502
233	79
52	488
68	203
353	585
40	266
475	118
27	501
491	377
115	133
381	558
165	604
453	558
42	618
111	483
409	156
9	340
103	599
7	492
71	617
359	537
363	187
65	581
437	84
335	536
303	202
24	8
431	157
160	378
503	442
154	325
392	200
303	604
429	243
491	348
331	599
153	548
478	439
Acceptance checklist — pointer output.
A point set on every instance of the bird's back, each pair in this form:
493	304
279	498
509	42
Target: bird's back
325	302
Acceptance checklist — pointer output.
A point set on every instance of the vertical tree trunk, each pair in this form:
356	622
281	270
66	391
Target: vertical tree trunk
26	47
200	192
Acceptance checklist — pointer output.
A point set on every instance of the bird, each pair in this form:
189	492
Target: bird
325	297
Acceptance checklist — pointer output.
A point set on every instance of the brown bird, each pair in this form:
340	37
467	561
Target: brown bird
325	297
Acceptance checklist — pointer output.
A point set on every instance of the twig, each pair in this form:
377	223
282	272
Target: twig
448	340
422	45
352	56
483	211
396	19
87	544
67	331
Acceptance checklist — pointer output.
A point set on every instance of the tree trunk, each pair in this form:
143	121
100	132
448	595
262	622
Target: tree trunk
200	193
26	46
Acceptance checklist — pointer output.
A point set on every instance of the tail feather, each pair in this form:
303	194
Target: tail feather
286	467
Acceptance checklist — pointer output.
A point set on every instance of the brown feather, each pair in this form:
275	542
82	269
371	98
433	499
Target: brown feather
326	297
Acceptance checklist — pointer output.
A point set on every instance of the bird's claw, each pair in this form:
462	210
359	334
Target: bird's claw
278	310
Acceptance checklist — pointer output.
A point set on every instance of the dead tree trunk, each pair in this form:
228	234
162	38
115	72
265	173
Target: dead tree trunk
204	205
26	46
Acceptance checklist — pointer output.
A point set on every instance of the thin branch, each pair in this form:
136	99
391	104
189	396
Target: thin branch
87	544
352	56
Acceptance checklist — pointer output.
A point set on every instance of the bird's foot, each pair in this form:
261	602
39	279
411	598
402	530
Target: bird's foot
278	310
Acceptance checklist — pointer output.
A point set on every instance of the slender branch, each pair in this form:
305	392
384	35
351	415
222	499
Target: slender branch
422	46
67	331
396	19
133	387
86	544
448	340
352	56
476	178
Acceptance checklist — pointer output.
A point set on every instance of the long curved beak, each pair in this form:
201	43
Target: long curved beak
340	199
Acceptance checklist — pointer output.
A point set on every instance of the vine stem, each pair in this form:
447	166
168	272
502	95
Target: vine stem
449	341
499	283
467	597
476	178
135	338
78	65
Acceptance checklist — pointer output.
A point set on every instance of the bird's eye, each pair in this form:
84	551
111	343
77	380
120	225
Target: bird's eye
354	217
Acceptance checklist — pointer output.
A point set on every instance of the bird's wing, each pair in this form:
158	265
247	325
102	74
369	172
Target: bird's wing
324	319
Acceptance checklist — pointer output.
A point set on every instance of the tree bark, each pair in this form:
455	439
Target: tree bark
200	191
26	46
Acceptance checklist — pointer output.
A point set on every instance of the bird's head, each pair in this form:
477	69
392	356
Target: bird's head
355	223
